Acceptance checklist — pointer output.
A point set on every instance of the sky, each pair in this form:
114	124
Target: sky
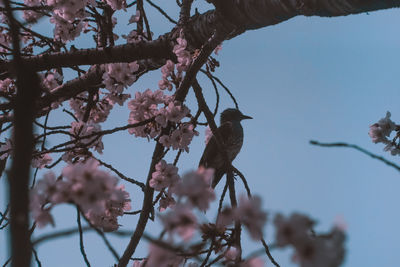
324	79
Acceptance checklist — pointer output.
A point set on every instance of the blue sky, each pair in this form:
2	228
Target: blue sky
326	79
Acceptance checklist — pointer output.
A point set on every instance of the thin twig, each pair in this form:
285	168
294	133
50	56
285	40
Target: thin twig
269	253
123	177
82	248
162	12
72	231
372	155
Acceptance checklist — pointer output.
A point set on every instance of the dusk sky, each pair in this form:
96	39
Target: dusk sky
324	79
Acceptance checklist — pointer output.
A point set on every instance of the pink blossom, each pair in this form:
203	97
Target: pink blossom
250	214
42	217
180	220
176	111
183	56
7	85
165	84
196	187
80	129
117	4
100	110
30	15
326	250
5	39
96	193
162	257
253	262
118	76
41	160
134	37
166	202
382	129
231	254
165	175
65	30
134	18
145	106
51	80
218	48
137	263
291	230
208	134
180	138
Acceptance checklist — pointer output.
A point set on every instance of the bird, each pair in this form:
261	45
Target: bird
231	132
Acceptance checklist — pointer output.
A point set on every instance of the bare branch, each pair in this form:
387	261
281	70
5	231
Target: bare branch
372	155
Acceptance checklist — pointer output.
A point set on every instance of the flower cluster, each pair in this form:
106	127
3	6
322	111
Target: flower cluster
66	31
183	56
310	249
179	138
7	85
81	145
196	186
145	106
95	192
165	175
41	160
30	15
51	80
380	131
116	4
168	70
248	212
118	76
100	109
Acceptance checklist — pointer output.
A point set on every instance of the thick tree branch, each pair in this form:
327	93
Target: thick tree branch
157	49
27	90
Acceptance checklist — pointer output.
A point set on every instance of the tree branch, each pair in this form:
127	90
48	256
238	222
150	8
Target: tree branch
372	155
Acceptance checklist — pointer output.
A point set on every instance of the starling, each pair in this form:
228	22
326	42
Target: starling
231	132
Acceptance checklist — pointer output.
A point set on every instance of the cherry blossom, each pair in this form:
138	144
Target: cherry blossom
162	257
30	15
93	190
116	4
7	85
180	138
41	160
208	134
81	129
326	250
218	48
64	30
196	186
51	80
166	201
250	214
253	262
165	175
382	129
135	18
293	229
180	220
118	76
183	56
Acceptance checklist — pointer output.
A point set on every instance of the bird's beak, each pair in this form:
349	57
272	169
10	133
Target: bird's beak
244	117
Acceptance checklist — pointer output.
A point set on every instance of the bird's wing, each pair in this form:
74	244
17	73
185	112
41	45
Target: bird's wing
211	150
